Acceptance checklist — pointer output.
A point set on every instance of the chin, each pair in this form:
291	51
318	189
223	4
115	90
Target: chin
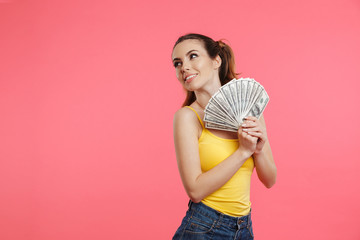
191	87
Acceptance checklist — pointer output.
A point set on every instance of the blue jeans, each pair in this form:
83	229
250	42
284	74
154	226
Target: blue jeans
204	222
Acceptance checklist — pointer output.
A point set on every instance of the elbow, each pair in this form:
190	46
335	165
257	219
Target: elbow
195	192
269	185
195	200
194	197
270	182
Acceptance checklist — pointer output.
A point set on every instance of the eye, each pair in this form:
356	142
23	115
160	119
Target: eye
176	64
193	55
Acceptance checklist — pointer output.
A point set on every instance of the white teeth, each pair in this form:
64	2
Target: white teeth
190	76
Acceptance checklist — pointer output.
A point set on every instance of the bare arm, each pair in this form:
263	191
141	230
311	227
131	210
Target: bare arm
197	184
263	158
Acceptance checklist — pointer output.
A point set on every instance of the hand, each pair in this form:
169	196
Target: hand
255	128
247	142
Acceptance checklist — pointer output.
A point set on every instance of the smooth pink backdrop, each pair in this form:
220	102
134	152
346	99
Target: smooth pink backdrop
88	93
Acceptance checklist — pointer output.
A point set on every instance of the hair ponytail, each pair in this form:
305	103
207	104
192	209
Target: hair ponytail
227	68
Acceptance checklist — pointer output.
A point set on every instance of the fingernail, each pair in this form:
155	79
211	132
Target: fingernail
243	125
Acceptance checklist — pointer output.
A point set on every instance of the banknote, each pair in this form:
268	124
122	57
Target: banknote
220	127
233	102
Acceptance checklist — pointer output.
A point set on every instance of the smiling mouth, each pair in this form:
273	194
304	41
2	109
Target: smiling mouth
190	78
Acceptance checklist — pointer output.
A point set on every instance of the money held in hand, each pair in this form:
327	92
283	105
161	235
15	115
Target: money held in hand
234	101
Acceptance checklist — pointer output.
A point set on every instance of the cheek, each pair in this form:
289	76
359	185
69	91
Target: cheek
179	77
202	66
177	74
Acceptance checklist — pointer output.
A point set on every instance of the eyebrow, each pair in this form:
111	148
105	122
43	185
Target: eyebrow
187	54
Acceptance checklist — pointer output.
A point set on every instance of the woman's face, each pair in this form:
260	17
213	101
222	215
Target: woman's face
194	68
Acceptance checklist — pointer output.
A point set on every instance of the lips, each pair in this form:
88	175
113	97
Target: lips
190	77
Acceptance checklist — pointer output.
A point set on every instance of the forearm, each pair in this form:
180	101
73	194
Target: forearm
210	181
265	168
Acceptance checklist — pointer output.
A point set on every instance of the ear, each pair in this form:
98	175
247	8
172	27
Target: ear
217	62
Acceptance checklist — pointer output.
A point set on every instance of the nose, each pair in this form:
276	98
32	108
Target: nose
185	66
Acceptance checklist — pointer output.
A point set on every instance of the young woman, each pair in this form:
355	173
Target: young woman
215	166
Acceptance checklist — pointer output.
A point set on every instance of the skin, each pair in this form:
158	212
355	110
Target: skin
190	57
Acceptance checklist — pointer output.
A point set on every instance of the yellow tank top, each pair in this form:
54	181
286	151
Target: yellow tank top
233	198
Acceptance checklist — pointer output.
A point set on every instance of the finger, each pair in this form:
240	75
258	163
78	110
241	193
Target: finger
244	134
251	118
247	135
252	139
240	130
252	129
259	136
249	124
255	134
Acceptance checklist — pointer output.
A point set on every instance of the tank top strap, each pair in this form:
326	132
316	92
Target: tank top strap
201	122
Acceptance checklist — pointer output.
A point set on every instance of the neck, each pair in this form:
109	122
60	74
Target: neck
203	95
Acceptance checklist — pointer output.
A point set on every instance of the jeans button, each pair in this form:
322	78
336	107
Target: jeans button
240	221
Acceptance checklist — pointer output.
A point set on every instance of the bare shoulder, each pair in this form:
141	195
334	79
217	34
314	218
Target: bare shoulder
184	115
185	118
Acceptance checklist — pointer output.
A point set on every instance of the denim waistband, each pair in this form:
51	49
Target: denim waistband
234	222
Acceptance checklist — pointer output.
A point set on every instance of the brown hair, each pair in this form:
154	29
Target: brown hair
213	48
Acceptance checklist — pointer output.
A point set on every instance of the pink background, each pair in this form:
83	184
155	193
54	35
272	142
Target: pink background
88	93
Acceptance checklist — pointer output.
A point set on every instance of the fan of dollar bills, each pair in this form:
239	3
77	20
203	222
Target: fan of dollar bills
234	101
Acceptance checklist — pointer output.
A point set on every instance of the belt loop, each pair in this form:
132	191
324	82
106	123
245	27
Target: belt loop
189	204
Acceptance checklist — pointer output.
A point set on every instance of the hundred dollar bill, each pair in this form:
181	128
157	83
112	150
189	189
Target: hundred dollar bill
243	94
220	102
250	86
226	91
219	127
234	94
214	107
259	105
235	100
212	119
218	119
256	91
239	96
